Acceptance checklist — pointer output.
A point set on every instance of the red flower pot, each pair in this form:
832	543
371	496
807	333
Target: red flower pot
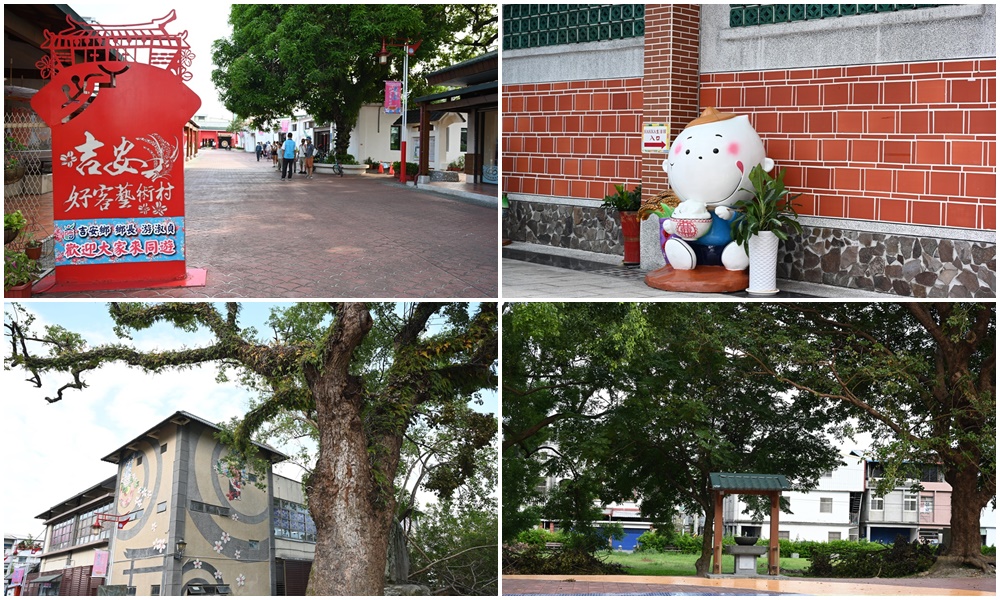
630	231
18	291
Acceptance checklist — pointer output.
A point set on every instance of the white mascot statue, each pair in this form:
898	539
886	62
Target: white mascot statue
708	168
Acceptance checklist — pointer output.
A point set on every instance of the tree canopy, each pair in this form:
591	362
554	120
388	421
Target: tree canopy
320	58
920	377
362	373
641	402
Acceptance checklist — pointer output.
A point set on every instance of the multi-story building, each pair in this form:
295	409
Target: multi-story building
178	518
832	511
846	505
72	546
21	555
907	511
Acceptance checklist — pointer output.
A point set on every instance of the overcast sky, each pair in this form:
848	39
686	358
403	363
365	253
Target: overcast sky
205	22
53	451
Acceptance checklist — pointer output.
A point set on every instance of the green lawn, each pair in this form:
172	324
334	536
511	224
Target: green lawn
648	563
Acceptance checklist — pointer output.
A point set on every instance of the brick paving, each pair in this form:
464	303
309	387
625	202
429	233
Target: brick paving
326	237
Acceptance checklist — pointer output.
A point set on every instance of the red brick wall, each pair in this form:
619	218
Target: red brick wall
572	138
906	143
670	91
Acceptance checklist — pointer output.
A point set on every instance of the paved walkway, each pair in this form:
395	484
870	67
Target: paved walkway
363	236
601	585
535	271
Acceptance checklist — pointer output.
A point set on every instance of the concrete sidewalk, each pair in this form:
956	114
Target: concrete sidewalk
534	271
620	585
361	236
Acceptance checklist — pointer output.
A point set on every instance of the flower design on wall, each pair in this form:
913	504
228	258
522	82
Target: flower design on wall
225	537
218	547
160	545
235	517
241	580
68	159
237	555
218	575
152	527
196	564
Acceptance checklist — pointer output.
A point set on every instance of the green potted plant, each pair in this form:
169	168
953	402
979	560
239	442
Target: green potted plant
765	218
32	246
13	170
18	273
627	204
13	223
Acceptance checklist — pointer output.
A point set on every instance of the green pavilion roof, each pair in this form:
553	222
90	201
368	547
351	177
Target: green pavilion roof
750	482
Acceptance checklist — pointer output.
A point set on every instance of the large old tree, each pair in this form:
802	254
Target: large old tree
921	377
363	379
641	402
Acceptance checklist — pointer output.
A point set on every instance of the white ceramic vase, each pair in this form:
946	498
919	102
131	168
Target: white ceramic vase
763	263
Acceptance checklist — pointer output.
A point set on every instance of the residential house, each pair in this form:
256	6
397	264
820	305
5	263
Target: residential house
832	511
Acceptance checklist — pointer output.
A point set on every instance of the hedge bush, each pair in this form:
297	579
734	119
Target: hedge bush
871	560
540	537
525	559
411	168
989	550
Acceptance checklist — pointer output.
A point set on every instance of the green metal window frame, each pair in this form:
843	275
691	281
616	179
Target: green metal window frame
540	25
752	15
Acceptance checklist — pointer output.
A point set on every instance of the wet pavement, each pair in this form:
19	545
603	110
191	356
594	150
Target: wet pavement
361	236
600	585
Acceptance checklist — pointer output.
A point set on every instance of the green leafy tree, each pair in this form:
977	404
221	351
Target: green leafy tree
361	390
320	58
453	542
921	377
642	402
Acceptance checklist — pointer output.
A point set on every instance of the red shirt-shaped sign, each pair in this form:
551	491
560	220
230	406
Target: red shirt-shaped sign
117	105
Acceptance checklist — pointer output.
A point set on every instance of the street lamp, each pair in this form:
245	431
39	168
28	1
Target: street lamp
383	59
179	549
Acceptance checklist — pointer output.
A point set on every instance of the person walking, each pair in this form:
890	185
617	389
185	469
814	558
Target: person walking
274	154
289	152
302	157
309	152
260	150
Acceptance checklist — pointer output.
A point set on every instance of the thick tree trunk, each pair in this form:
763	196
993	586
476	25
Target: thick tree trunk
967	504
352	533
352	517
703	565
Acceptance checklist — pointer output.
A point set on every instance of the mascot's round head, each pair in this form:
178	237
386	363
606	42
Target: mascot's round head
711	159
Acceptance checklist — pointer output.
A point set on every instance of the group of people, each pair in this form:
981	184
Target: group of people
286	155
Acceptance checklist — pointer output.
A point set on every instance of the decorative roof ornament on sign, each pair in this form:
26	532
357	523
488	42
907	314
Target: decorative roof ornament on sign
117	105
145	43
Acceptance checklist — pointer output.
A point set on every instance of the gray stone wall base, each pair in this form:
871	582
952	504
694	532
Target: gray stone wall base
903	265
914	266
563	226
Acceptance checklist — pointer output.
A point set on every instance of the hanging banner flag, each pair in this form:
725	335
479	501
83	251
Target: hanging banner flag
100	563
285	125
393	97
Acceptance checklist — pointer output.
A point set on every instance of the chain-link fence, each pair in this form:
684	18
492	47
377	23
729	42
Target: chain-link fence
28	170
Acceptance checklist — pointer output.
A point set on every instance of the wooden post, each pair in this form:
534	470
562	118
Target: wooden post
773	553
717	536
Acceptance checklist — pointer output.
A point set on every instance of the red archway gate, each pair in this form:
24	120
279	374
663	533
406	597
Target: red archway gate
117	105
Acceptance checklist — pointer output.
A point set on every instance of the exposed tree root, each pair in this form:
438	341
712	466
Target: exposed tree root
946	566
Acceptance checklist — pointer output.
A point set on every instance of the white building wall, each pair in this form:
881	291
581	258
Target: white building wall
988	525
807	520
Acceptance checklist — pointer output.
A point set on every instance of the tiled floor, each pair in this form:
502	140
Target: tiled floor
363	236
